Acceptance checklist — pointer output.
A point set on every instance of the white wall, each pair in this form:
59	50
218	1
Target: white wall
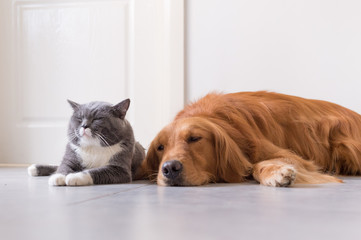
310	48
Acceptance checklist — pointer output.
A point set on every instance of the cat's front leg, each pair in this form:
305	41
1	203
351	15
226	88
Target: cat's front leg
111	174
68	166
79	179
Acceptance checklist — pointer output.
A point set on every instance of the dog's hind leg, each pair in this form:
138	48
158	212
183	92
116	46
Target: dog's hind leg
284	168
281	172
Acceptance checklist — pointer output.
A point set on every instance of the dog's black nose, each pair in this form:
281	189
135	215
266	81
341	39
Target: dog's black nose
172	169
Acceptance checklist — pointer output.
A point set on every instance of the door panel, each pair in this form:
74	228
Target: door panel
74	49
64	50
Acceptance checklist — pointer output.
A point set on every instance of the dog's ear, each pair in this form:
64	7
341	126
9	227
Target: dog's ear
232	165
150	166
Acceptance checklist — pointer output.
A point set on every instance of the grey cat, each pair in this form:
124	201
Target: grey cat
101	147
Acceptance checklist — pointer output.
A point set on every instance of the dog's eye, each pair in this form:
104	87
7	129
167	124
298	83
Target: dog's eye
192	139
160	148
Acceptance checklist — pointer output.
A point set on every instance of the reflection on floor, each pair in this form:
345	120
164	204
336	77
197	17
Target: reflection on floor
30	209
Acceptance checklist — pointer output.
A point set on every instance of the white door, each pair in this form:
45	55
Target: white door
85	50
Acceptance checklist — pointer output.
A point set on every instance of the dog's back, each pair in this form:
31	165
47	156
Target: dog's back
324	132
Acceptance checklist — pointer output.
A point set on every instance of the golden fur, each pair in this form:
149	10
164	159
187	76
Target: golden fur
276	139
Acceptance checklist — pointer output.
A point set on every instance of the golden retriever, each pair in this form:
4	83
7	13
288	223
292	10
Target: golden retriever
273	138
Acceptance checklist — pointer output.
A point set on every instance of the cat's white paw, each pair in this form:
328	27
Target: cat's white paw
57	179
32	170
79	179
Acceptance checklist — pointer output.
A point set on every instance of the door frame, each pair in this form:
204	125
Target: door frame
171	75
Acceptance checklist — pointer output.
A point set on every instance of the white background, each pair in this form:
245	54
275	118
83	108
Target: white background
85	50
308	48
109	50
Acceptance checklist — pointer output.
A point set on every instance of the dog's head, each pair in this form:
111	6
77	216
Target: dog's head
195	151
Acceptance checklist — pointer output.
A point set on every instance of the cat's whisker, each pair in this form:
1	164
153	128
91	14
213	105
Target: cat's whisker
71	137
111	134
102	138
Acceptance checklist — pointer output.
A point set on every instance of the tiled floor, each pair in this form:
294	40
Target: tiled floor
30	209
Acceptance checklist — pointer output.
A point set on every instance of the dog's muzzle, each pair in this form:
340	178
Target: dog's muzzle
172	170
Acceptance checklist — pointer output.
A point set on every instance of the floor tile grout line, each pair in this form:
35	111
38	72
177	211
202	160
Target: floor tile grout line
106	195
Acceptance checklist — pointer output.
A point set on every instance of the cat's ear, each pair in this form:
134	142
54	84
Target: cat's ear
120	110
74	105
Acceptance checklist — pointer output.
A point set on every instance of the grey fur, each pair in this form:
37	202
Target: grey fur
45	170
108	124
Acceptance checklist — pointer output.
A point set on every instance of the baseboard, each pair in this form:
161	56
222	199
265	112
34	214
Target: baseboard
17	165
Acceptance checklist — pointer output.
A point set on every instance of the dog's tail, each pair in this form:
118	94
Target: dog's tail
41	170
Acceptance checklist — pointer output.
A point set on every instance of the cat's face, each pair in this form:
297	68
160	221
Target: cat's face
97	123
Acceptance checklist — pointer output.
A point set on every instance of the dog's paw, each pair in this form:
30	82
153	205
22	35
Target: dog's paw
57	179
33	171
79	179
284	176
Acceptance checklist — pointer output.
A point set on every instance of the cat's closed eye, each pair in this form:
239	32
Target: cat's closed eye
98	118
78	118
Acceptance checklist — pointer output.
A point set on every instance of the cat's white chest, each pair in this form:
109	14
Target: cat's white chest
96	156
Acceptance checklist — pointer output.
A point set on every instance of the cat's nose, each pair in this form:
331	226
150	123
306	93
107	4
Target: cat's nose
85	126
85	132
